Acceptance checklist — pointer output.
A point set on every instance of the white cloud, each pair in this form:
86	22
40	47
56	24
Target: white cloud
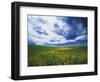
47	24
34	23
81	37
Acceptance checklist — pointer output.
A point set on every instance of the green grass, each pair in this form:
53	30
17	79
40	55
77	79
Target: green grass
46	56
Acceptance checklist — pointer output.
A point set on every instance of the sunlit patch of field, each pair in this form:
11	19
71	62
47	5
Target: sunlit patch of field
46	56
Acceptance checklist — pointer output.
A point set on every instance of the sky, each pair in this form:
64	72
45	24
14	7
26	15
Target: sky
57	30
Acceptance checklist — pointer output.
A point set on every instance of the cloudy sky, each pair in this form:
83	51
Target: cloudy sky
57	30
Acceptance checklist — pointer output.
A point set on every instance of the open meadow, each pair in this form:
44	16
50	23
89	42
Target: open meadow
47	56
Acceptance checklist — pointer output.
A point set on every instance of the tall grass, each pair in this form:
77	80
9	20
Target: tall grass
46	56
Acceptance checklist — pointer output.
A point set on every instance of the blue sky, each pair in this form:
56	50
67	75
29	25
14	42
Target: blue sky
57	30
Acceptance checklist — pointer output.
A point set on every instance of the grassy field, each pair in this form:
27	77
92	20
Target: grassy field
46	56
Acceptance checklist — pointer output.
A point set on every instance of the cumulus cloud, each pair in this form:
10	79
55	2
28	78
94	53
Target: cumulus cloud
52	30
